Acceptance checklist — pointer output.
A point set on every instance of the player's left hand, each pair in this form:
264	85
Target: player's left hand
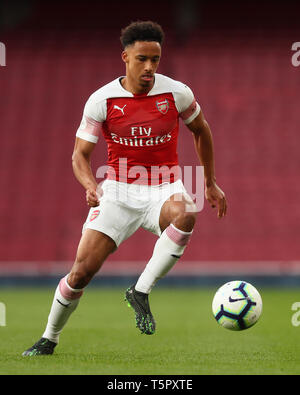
216	198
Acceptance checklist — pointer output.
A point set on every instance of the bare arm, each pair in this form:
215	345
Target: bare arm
204	148
81	162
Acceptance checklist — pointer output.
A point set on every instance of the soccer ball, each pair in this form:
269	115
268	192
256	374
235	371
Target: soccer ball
237	305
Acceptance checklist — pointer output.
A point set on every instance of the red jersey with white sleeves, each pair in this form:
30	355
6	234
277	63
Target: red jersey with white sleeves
141	131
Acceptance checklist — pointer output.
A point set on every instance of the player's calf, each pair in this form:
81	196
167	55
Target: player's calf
66	300
167	251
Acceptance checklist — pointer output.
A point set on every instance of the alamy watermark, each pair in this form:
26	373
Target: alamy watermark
296	56
139	178
2	54
2	314
296	315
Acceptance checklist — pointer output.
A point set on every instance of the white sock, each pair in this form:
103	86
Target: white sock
168	249
65	301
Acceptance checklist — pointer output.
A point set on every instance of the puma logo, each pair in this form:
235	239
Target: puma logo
119	108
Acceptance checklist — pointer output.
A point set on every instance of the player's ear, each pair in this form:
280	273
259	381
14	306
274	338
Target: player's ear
124	56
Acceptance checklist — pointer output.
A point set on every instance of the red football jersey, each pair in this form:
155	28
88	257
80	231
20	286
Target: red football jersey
141	131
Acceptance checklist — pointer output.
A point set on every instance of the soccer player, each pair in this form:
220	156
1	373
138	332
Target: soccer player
138	115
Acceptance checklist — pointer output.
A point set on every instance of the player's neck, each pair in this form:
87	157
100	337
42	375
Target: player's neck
134	87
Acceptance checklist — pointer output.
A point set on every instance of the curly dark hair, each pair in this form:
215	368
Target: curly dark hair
142	31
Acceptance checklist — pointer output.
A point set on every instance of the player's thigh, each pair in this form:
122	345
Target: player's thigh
180	210
94	245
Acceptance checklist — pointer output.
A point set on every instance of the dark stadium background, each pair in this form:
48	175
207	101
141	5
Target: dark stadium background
236	56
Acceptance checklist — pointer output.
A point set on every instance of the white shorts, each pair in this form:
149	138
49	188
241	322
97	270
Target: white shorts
125	207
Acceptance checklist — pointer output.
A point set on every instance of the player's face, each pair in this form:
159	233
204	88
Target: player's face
142	60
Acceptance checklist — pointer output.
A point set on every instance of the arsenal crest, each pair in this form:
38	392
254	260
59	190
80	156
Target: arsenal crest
94	215
162	106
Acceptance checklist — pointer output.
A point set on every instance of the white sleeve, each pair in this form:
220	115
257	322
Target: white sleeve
186	104
94	114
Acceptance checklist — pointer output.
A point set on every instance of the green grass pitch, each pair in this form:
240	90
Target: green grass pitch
101	337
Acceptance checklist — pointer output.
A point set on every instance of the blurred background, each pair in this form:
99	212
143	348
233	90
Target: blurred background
236	57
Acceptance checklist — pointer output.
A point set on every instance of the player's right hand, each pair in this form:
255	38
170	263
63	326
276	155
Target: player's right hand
92	198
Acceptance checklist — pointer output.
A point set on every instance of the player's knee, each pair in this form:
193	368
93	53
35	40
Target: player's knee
185	219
